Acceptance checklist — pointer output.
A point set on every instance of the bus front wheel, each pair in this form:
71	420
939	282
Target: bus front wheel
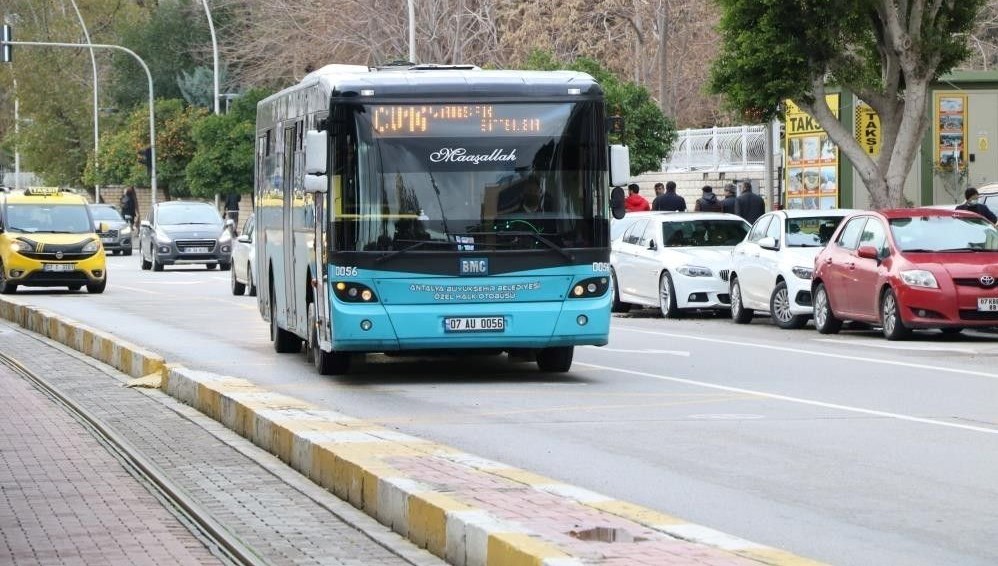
555	360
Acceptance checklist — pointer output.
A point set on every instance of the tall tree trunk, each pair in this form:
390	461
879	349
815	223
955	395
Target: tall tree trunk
663	56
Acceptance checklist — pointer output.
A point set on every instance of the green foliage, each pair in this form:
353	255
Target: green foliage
198	87
166	42
647	132
223	161
773	49
119	161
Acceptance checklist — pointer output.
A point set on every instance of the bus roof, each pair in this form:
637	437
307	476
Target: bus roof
455	81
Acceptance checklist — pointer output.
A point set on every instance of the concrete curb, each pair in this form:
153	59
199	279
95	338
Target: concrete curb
465	509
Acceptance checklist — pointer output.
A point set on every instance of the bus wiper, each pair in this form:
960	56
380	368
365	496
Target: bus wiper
408	249
542	240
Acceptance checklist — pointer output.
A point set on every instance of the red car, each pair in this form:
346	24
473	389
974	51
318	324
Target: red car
908	268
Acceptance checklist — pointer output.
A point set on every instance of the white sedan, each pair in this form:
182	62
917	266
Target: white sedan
675	261
771	270
244	260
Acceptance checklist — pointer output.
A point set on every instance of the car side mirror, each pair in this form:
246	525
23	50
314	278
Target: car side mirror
769	243
103	227
652	245
868	252
245	239
145	224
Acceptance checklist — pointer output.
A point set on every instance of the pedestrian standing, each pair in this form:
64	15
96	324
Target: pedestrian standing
708	201
635	202
973	204
749	205
232	209
129	205
669	200
659	191
729	204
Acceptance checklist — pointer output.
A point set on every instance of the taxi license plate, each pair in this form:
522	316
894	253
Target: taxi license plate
197	250
989	304
59	267
475	324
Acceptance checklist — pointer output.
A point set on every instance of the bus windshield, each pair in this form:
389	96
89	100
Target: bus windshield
473	176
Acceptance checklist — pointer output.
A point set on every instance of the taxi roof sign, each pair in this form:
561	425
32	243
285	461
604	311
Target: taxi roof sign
42	191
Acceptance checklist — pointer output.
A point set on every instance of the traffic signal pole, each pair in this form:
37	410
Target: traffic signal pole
5	44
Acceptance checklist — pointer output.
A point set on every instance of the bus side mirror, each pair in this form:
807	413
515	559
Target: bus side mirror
620	165
316	149
316	183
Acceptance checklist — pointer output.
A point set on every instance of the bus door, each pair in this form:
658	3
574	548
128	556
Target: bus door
287	243
321	274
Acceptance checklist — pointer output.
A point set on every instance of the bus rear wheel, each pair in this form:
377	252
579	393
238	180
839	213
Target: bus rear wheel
555	360
326	363
284	342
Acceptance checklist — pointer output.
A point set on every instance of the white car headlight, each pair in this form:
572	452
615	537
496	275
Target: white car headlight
91	246
162	237
802	271
126	230
18	246
919	278
695	271
225	237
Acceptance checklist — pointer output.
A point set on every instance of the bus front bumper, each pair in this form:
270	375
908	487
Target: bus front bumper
573	322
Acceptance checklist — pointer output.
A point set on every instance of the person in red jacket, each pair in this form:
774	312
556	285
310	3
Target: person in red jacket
634	201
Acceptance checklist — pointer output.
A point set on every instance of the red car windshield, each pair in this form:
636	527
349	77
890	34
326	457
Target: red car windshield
944	234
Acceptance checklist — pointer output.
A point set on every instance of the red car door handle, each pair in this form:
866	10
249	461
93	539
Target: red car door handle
851	265
828	260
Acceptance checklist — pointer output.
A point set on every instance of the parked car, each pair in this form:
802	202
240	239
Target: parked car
244	260
908	268
118	237
675	261
179	232
771	270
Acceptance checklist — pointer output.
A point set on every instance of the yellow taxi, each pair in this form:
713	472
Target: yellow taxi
47	239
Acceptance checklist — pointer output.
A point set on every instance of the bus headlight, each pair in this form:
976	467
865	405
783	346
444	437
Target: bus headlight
588	288
351	292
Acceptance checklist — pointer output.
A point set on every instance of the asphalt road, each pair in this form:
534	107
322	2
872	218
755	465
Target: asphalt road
845	449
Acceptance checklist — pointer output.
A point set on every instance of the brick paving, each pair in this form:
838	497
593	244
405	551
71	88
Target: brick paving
65	500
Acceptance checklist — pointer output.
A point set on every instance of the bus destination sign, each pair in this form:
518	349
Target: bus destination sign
446	120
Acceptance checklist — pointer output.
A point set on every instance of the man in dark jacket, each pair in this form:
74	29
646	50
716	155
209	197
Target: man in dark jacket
973	204
669	200
708	202
729	204
750	206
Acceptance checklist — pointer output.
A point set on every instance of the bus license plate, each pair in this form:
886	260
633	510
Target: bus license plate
475	324
59	267
989	304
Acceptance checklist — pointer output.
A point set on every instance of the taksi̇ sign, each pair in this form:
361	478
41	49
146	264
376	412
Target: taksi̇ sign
868	131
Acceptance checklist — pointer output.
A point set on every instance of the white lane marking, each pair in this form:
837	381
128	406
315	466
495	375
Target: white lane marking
136	289
623	351
813	353
799	400
908	346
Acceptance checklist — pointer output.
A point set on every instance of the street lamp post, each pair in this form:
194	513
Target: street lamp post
214	50
17	131
93	63
152	105
412	31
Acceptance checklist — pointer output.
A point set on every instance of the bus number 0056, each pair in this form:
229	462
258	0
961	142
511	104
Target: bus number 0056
345	271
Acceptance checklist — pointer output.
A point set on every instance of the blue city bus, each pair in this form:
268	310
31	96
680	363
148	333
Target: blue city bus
426	208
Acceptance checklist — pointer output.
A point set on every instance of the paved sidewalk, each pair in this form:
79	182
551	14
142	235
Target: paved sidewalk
64	499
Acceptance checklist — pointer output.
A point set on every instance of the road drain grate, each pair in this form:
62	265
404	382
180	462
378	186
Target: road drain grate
606	534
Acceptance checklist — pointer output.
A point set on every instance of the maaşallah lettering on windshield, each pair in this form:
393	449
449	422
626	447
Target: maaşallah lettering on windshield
457	119
461	155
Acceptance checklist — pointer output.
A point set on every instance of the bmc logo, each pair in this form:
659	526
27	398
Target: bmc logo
479	266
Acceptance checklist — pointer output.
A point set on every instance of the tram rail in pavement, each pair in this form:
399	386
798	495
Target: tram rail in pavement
462	508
